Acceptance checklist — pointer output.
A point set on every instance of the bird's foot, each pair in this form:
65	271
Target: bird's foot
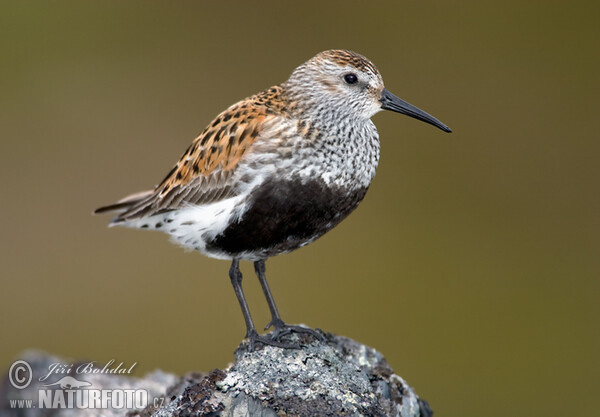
283	329
254	338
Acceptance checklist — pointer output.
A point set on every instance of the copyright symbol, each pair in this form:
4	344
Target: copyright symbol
20	374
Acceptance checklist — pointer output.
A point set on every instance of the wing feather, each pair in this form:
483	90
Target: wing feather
204	173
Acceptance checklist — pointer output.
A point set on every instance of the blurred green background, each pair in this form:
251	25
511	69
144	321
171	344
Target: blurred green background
473	263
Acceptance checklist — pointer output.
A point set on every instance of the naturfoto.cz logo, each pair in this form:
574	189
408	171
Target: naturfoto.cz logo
75	393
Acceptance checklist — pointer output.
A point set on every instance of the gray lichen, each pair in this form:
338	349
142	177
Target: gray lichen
338	378
335	377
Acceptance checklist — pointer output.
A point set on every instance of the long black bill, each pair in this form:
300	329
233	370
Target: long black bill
393	103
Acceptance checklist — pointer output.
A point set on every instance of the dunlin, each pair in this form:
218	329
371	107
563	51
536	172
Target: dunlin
274	172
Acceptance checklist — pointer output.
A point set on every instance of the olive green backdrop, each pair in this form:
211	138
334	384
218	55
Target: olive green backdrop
472	264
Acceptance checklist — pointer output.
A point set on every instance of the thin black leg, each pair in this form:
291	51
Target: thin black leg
235	275
281	328
260	268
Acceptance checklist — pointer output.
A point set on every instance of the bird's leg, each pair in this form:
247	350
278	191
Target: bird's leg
253	337
260	268
281	328
235	275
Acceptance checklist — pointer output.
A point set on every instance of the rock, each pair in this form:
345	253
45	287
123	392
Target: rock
339	377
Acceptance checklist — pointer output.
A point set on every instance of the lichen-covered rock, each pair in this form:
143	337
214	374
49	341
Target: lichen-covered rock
335	377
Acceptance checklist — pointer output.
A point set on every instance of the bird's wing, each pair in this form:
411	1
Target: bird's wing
204	172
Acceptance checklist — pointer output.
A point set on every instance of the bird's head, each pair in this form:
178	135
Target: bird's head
347	84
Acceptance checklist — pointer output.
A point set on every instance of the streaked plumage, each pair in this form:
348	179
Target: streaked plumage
274	171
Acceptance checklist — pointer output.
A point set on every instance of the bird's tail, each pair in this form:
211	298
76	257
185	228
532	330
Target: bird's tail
124	204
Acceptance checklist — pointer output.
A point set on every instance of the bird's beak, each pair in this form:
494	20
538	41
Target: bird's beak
393	103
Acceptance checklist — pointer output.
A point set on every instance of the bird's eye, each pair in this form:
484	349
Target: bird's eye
350	78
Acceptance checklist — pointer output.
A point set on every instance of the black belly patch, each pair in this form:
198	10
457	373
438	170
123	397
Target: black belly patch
282	215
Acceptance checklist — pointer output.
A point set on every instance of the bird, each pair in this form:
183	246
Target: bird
274	172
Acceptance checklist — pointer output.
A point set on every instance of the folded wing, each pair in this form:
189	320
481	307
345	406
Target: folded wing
204	173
